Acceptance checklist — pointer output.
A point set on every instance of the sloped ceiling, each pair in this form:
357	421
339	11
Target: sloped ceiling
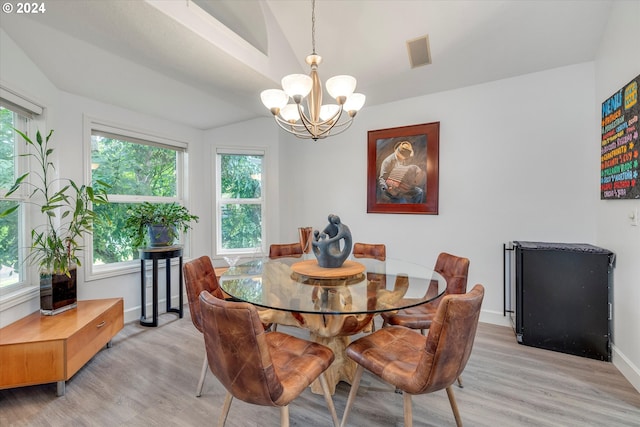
204	62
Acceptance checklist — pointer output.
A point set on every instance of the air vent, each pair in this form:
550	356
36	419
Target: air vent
419	52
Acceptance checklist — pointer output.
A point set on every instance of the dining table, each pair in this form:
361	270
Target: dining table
332	303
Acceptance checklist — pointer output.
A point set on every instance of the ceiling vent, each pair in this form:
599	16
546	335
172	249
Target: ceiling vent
419	52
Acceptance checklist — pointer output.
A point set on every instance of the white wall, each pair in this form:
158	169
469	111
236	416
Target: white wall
516	163
617	64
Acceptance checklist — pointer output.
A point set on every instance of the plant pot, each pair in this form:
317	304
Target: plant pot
161	235
58	292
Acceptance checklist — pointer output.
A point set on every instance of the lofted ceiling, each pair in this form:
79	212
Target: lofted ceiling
203	63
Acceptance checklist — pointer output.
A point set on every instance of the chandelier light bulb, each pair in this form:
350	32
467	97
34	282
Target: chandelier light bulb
297	85
354	102
339	86
290	113
274	99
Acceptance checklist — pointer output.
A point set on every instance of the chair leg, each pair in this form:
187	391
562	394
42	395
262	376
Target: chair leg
454	406
225	410
203	373
460	382
329	400
352	394
284	416
408	413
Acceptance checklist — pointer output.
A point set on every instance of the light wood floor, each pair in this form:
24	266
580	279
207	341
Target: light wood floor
149	376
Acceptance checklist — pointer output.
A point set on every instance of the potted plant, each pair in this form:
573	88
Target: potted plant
68	213
157	224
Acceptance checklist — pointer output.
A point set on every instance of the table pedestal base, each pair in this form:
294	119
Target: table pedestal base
342	368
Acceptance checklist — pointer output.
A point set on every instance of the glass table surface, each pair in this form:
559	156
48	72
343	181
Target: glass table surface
381	286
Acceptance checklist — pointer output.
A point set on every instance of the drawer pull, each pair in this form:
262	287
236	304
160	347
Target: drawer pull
101	324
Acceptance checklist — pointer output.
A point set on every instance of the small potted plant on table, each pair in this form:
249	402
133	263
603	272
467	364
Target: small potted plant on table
68	213
157	224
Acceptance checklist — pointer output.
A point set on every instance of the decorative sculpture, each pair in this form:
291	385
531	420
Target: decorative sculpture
333	246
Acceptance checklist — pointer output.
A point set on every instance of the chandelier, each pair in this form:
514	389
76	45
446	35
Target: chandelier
322	120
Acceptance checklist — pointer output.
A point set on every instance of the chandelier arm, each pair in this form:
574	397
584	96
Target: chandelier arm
300	131
341	127
328	124
296	130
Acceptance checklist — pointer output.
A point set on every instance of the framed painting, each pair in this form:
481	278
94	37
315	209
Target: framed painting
402	169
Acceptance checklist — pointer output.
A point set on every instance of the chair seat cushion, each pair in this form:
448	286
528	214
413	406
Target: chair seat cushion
393	354
297	363
418	317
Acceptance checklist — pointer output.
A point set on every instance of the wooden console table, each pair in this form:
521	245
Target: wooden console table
40	349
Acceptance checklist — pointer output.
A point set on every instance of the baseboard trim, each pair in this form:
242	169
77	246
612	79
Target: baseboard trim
495	318
626	368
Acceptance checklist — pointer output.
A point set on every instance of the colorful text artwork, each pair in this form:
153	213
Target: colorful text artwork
619	145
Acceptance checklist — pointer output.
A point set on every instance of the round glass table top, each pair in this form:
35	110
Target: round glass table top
363	285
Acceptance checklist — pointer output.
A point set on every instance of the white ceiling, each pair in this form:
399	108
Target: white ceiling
169	59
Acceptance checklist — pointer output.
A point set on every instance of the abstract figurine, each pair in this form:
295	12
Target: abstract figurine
333	246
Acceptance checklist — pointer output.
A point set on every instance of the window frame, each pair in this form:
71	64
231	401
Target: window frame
30	117
130	134
219	201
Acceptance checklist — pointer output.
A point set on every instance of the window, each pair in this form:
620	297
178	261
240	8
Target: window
240	201
13	243
139	168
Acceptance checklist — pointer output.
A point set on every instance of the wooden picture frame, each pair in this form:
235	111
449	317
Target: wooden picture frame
402	169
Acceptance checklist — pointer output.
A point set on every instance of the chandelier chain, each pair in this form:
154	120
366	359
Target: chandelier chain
313	26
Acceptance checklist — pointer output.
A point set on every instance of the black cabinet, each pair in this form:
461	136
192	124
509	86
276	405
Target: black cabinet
562	297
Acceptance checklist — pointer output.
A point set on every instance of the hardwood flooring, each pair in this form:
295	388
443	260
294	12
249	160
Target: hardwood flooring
149	376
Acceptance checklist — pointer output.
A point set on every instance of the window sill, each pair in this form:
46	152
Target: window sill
18	297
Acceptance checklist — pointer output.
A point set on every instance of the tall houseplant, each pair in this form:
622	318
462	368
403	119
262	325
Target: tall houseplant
68	216
157	224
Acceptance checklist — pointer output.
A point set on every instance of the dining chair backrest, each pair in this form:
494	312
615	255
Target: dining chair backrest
199	275
450	340
370	250
285	250
235	340
418	364
259	367
455	270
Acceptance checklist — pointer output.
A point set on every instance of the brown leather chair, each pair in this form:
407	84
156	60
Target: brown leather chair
417	364
370	250
455	270
199	275
268	369
285	250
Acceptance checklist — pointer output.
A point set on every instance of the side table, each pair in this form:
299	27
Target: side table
154	254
